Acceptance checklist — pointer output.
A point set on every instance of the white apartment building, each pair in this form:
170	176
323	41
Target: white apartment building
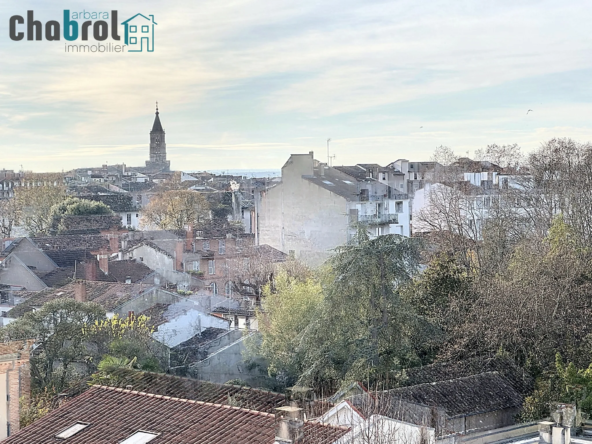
316	208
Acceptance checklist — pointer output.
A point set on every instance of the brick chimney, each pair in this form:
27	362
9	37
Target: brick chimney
289	426
179	250
114	242
189	238
103	258
80	291
90	270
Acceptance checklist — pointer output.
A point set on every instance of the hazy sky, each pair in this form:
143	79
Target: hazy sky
244	83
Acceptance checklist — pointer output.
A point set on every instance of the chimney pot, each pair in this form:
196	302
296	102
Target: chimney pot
289	426
80	292
545	429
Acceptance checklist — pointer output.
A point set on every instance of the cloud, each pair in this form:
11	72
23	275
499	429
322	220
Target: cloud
271	78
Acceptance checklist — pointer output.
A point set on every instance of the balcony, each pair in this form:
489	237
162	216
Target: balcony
379	219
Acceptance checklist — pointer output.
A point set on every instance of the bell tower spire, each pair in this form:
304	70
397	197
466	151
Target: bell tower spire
158	160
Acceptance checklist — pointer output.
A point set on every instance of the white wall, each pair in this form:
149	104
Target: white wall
135	219
300	216
382	430
153	259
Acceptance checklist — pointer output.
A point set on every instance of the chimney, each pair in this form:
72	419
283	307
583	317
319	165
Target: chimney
558	431
179	255
189	244
90	270
80	291
103	258
114	242
545	432
289	426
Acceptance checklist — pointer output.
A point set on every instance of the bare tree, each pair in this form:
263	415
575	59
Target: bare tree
8	216
508	157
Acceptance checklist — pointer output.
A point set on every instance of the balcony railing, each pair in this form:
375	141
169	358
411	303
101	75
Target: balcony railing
379	219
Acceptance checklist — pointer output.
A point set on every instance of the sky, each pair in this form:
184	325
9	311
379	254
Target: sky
242	84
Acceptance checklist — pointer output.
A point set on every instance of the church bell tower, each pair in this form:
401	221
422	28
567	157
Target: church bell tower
158	160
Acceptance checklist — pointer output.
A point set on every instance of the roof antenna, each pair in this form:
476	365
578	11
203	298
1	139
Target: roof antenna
156	107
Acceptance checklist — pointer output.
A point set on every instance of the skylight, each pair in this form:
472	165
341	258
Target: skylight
348	182
328	183
73	430
140	438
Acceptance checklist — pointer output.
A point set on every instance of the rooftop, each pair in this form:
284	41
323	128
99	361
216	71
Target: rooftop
486	392
178	387
107	294
114	415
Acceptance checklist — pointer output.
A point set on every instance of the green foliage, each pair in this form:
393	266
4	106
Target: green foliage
365	330
37	407
73	206
286	312
350	323
442	293
74	336
57	327
565	383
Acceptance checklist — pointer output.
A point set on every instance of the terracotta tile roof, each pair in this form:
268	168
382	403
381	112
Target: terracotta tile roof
115	414
186	388
107	294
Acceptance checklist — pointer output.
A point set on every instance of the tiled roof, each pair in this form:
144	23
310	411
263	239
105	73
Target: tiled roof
116	414
186	388
486	392
120	270
67	258
72	242
269	253
355	171
107	294
58	277
443	371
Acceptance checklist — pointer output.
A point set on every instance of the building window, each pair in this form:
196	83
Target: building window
133	28
221	246
145	28
211	267
129	219
206	245
133	40
398	207
214	288
228	288
195	265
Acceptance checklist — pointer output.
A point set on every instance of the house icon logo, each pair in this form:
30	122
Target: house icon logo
139	33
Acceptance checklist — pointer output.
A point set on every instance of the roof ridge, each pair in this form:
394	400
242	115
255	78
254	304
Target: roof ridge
172	398
183	378
493	372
